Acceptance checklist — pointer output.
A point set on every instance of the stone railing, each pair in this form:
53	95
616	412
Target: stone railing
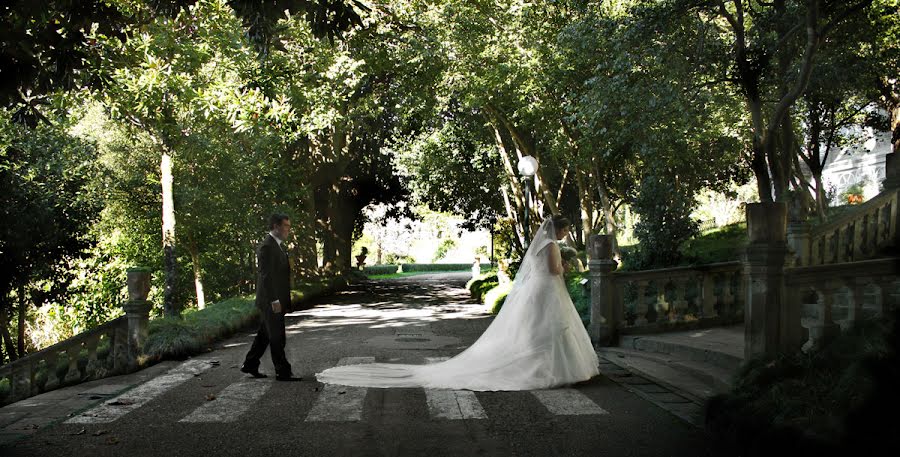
771	298
657	299
109	349
863	233
93	354
831	297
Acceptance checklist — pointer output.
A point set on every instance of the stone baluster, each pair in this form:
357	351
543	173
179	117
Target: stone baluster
93	365
798	239
51	361
73	374
884	298
728	295
661	306
859	238
708	296
606	309
640	307
823	328
680	304
21	380
771	326
817	247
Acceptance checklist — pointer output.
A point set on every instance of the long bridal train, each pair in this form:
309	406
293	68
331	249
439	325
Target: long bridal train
537	341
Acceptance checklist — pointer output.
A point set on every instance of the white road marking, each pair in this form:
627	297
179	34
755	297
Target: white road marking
452	404
231	402
567	402
121	405
340	403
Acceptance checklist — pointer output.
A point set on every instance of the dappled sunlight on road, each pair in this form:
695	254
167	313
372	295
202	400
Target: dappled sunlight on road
389	304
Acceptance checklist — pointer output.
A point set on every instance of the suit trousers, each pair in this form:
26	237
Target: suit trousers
271	334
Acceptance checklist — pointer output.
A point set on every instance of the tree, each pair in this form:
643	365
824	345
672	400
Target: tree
47	205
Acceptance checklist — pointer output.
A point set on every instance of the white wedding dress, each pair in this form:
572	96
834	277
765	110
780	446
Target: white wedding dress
537	341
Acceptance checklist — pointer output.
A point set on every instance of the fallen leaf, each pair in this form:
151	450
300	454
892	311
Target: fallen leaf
80	432
342	392
208	385
120	403
112	440
100	432
210	397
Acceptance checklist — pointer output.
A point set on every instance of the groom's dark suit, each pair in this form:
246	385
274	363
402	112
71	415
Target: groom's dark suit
273	282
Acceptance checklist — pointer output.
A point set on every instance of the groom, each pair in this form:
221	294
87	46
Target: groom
273	297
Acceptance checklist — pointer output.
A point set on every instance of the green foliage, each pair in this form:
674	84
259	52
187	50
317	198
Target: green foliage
665	222
480	285
495	297
442	249
720	245
580	297
816	401
379	270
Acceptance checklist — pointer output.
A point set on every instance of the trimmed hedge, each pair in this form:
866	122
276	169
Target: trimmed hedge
417	267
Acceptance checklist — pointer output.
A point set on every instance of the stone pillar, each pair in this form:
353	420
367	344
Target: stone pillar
606	312
891	171
137	311
771	325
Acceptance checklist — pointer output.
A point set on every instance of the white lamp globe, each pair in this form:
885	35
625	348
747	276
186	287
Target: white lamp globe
527	166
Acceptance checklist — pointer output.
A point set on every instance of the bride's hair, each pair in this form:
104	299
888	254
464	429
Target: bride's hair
560	222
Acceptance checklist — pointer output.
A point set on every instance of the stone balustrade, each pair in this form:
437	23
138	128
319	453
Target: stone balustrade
111	348
832	297
861	234
785	304
670	295
657	300
94	354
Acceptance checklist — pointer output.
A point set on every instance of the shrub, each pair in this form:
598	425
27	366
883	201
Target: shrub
824	403
580	299
380	270
479	285
495	297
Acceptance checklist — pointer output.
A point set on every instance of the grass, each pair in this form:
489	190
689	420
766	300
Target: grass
172	338
723	244
822	403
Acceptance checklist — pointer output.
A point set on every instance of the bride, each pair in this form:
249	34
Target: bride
537	340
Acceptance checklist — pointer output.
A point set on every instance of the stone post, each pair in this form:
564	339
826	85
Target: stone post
137	311
891	171
606	312
771	325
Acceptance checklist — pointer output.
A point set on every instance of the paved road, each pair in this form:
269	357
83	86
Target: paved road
205	406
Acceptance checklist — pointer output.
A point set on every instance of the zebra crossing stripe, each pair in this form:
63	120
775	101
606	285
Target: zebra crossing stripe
452	404
135	398
340	403
567	402
231	402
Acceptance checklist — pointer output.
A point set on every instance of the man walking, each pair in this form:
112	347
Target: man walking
273	298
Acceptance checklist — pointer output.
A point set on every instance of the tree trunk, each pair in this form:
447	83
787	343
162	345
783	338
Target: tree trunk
4	333
586	204
307	258
22	312
198	272
508	167
170	309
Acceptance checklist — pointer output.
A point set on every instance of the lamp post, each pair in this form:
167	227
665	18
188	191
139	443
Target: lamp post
527	168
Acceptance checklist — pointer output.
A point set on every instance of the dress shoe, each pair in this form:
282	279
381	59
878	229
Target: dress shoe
288	378
254	372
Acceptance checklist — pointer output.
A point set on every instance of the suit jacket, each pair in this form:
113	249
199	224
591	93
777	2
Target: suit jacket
273	279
